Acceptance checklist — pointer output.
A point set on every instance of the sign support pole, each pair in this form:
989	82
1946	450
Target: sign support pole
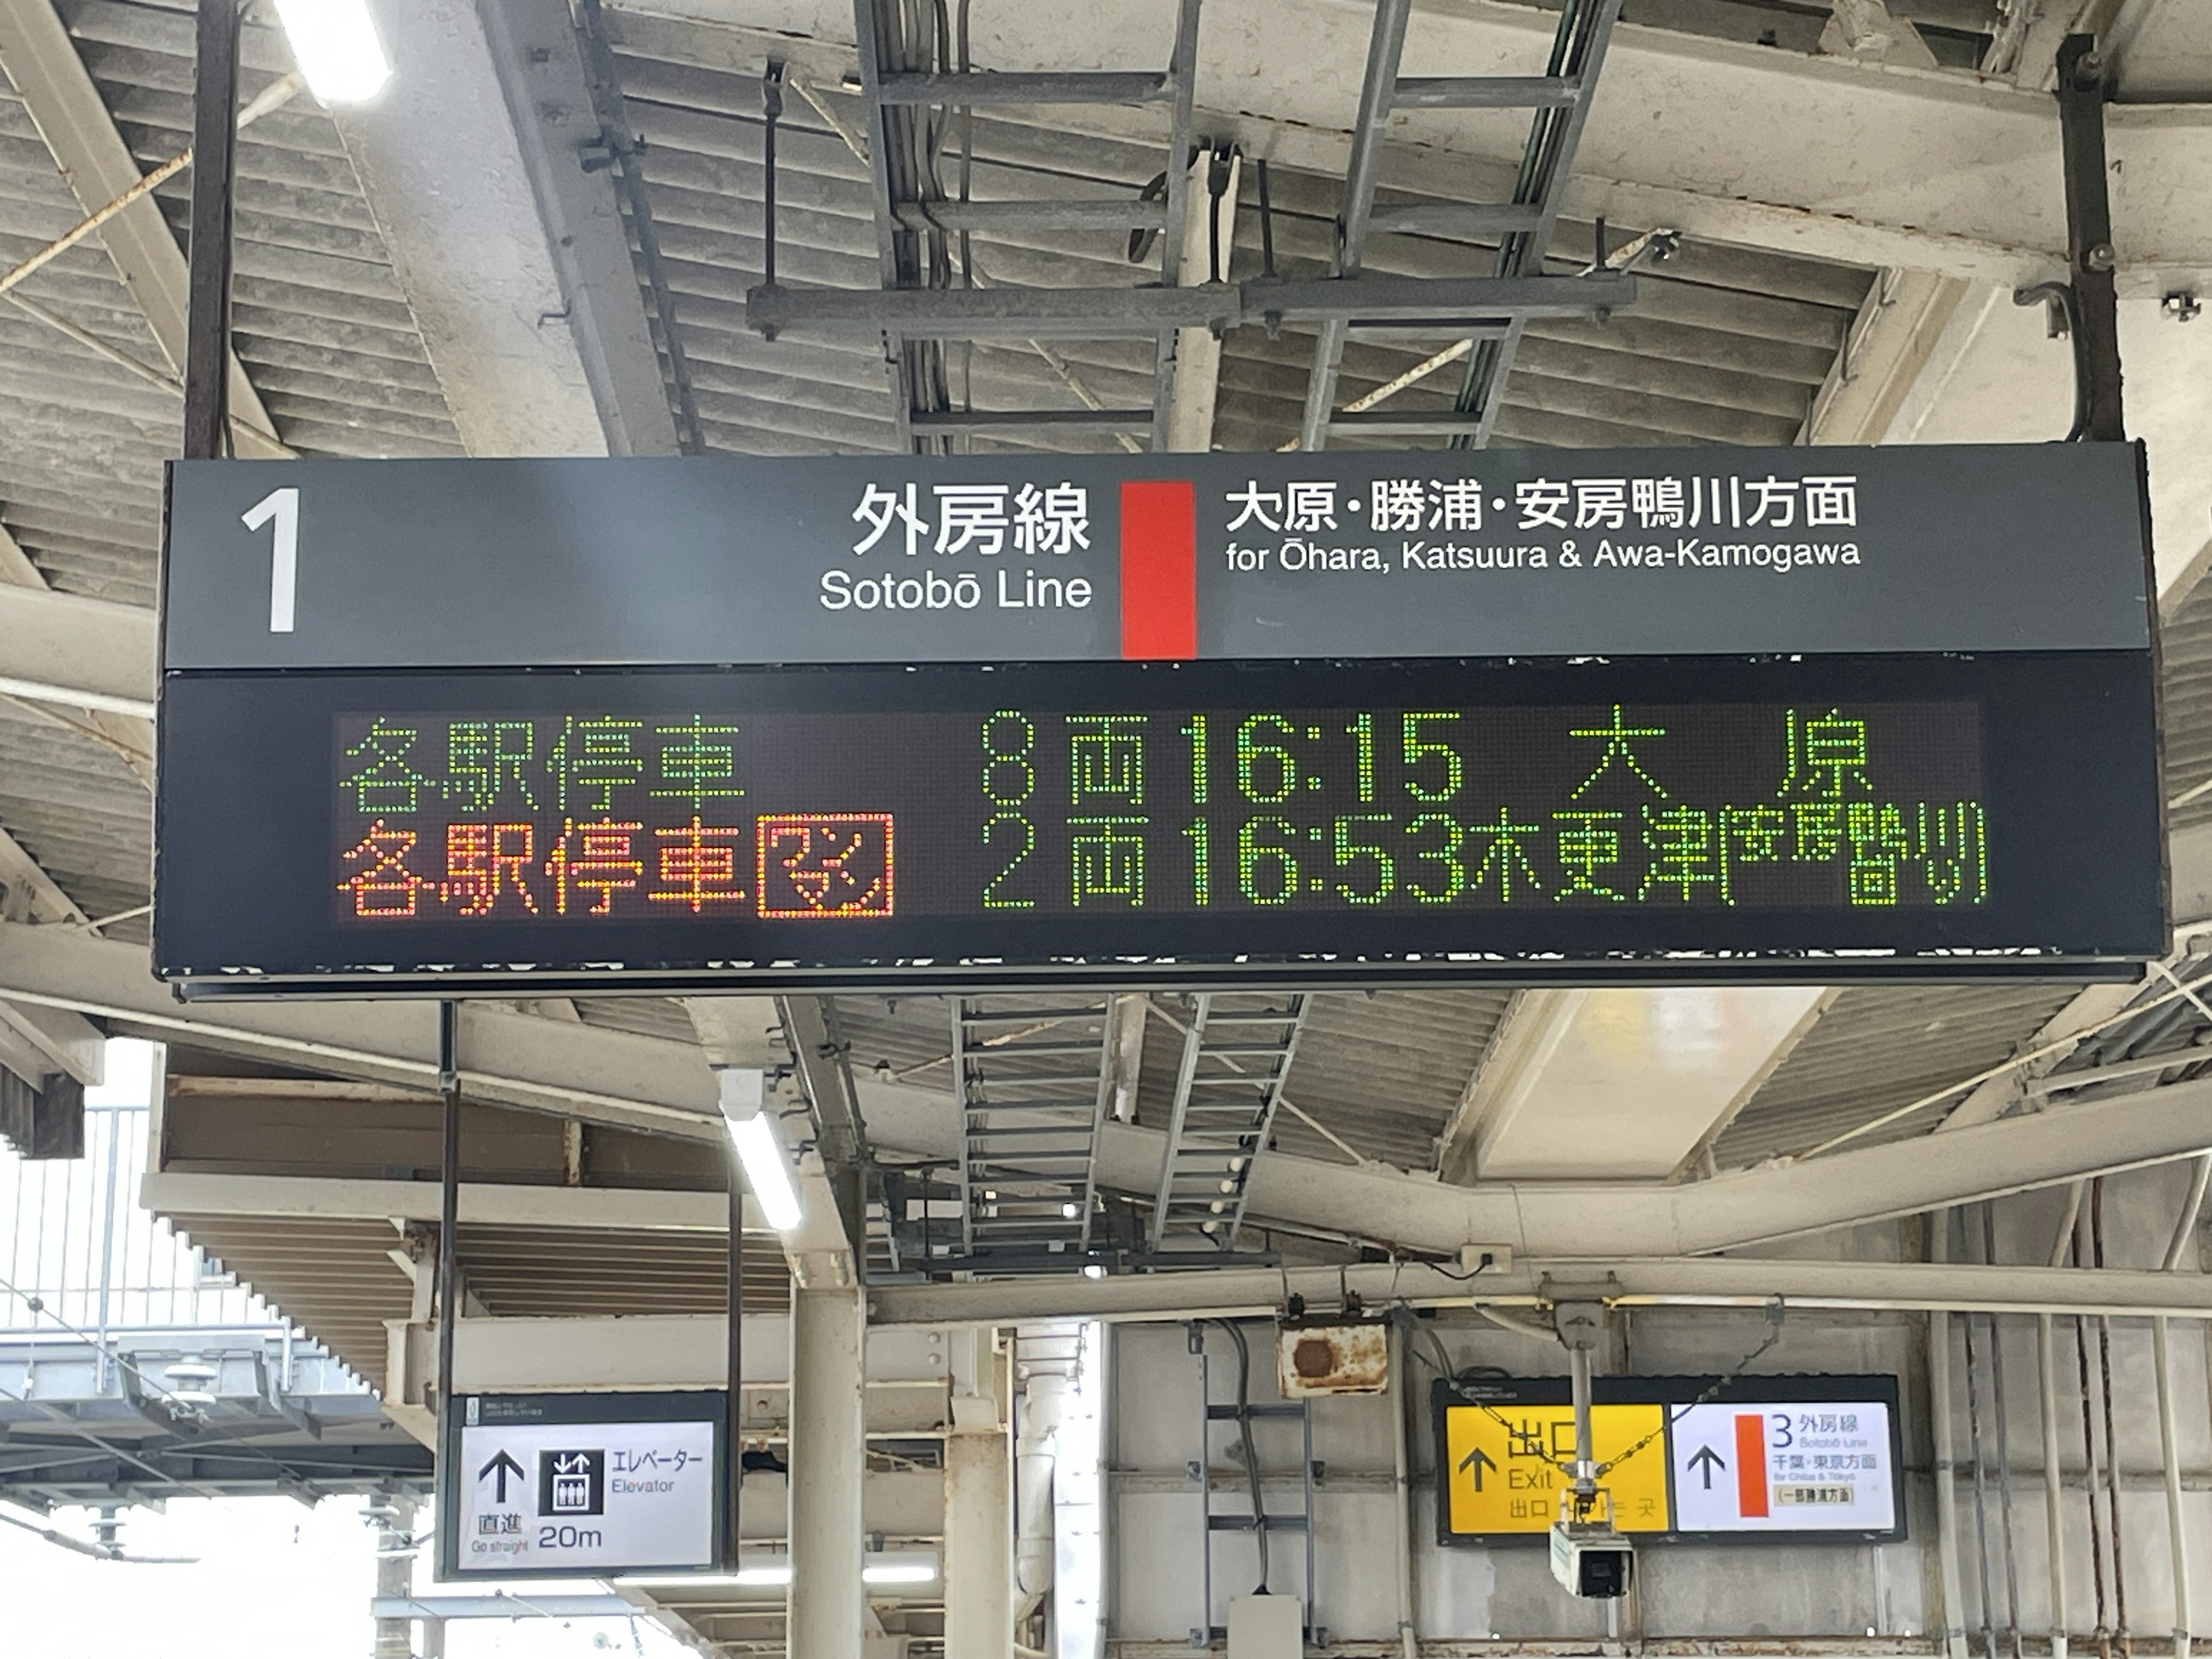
449	1197
2081	94
214	141
736	1380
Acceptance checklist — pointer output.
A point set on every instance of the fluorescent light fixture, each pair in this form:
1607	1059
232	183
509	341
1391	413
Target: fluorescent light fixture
336	44
893	1570
760	1147
774	1572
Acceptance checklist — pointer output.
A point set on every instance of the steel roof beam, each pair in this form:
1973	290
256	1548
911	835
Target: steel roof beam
514	259
40	59
656	1085
987	87
1868	1287
1097	313
85	653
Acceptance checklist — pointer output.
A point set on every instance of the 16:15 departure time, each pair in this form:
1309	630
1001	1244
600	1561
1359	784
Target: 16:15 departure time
1359	858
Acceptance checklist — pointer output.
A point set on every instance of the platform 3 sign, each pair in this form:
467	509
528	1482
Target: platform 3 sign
445	727
561	1485
1805	1458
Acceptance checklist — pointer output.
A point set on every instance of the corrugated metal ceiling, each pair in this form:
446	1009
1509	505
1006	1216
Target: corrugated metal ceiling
1726	345
1878	1048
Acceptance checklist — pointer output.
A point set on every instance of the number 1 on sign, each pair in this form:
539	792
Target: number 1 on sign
282	506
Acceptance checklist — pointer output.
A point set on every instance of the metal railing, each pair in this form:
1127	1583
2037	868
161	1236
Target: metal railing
73	1237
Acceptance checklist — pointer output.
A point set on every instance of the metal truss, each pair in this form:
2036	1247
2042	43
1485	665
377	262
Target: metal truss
1560	98
921	91
1237	1055
84	1425
1033	1083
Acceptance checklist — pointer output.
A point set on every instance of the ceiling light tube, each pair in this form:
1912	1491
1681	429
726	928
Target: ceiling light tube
335	42
760	1147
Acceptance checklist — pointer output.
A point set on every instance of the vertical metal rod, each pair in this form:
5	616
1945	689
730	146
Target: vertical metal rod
2103	1634
1267	223
2111	1437
1409	1639
1945	1448
215	140
449	1199
737	1355
1998	1410
101	1356
2169	1443
2169	1437
771	108
2089	234
1981	1489
2046	1377
1578	1362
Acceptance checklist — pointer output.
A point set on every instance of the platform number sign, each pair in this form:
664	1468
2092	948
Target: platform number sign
1804	1458
549	1486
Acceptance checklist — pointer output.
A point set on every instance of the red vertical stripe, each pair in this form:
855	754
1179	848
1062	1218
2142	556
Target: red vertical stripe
1159	570
1751	1467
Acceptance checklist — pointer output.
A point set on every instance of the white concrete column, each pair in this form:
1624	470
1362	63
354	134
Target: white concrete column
829	1453
979	1592
979	1519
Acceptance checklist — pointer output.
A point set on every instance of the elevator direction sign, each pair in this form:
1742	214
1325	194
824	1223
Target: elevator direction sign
558	1485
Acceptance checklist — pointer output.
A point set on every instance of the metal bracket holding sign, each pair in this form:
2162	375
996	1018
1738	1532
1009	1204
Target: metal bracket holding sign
1797	1459
558	1485
1540	717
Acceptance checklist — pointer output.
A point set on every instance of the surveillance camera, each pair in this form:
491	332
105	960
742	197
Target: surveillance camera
1590	1558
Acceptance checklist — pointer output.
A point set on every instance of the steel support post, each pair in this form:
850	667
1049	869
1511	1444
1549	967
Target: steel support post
395	1565
874	36
829	1459
449	1199
1182	73
215	140
2089	258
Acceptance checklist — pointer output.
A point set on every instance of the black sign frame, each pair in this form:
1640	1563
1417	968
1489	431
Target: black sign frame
1883	1388
708	1406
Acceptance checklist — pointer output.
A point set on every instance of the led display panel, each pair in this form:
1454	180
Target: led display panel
1729	818
436	728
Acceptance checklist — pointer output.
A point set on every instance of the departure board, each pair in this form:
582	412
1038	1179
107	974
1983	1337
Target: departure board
1169	822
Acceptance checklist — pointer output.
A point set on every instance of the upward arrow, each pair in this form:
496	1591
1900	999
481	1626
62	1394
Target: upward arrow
1705	1461
1478	1460
503	1466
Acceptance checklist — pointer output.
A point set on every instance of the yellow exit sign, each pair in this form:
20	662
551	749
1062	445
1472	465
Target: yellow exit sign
1509	1466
